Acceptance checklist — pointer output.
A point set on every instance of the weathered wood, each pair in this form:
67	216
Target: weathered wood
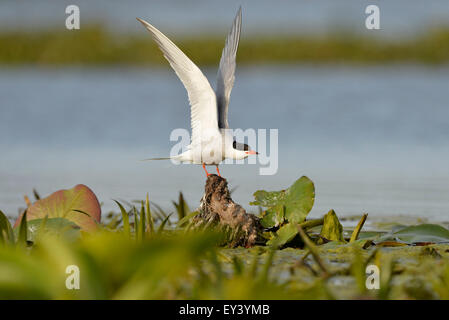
217	207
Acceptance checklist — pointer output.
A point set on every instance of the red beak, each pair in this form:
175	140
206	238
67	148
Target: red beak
251	152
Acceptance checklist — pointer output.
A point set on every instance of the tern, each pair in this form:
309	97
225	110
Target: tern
211	141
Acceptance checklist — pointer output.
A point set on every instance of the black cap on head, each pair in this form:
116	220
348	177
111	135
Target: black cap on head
240	146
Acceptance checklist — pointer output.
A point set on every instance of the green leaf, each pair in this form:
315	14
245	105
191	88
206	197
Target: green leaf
293	204
68	204
187	218
272	218
161	227
6	232
419	233
42	227
300	199
268	198
142	221
181	207
332	229
285	234
54	226
136	223
149	215
125	218
22	237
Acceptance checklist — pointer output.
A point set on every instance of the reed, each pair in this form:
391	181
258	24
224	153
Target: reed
94	45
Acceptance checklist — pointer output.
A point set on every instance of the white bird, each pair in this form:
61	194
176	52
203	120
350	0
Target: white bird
210	143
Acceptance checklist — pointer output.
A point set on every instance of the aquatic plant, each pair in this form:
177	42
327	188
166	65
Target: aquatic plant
136	254
94	45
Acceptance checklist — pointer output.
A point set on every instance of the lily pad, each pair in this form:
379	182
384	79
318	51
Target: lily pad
390	244
54	226
420	233
78	205
292	204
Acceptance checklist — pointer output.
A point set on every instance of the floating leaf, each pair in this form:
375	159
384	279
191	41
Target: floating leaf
390	244
292	204
68	204
53	226
420	233
332	229
370	235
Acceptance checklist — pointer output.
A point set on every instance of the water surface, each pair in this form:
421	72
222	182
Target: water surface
398	18
372	139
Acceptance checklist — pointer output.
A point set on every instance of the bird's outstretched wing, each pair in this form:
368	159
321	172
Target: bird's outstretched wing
201	95
226	77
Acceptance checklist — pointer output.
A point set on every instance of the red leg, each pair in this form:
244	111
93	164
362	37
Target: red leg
204	167
218	171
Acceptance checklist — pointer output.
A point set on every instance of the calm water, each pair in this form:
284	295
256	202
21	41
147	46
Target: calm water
372	139
398	17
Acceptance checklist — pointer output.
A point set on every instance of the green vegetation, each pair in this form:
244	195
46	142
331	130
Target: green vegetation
93	45
139	253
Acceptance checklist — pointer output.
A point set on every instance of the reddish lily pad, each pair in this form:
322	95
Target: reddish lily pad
79	205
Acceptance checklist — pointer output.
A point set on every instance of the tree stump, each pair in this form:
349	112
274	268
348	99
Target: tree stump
217	207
